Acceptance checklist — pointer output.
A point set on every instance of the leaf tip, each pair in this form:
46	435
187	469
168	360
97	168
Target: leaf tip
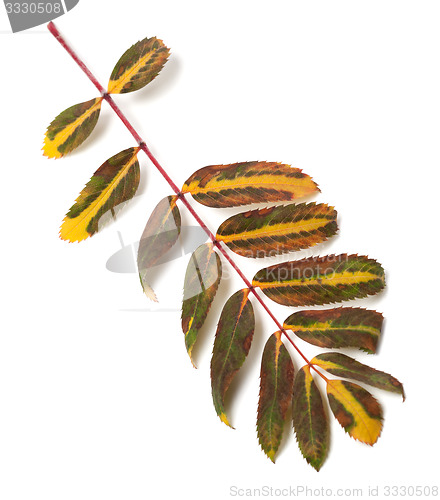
225	420
149	292
271	454
189	350
316	463
67	232
49	151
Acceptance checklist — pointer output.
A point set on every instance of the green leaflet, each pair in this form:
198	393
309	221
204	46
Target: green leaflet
276	230
160	234
232	343
202	279
138	66
321	280
310	419
338	327
343	366
276	383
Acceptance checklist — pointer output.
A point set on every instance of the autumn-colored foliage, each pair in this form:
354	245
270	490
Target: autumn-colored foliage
257	233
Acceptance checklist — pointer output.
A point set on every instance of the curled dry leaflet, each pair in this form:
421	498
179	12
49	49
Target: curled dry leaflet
267	231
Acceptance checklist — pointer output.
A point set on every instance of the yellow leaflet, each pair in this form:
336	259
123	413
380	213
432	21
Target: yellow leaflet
259	181
116	86
75	229
276	229
50	146
363	427
344	278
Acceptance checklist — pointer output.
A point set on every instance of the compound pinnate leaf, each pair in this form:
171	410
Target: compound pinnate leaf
221	186
71	128
232	343
343	366
338	327
276	384
115	181
321	280
310	419
276	230
138	66
160	234
358	412
202	279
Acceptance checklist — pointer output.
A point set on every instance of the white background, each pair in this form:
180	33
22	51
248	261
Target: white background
98	399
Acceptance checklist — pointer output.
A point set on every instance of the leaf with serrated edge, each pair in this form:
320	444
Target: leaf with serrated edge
221	186
271	231
71	128
358	412
115	181
338	327
343	366
202	279
232	343
138	66
276	383
160	234
321	280
310	419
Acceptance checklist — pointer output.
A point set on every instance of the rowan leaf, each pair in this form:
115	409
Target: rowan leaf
160	234
115	181
271	231
321	280
338	327
202	279
358	412
310	419
276	384
138	66
71	128
221	186
343	366
232	343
